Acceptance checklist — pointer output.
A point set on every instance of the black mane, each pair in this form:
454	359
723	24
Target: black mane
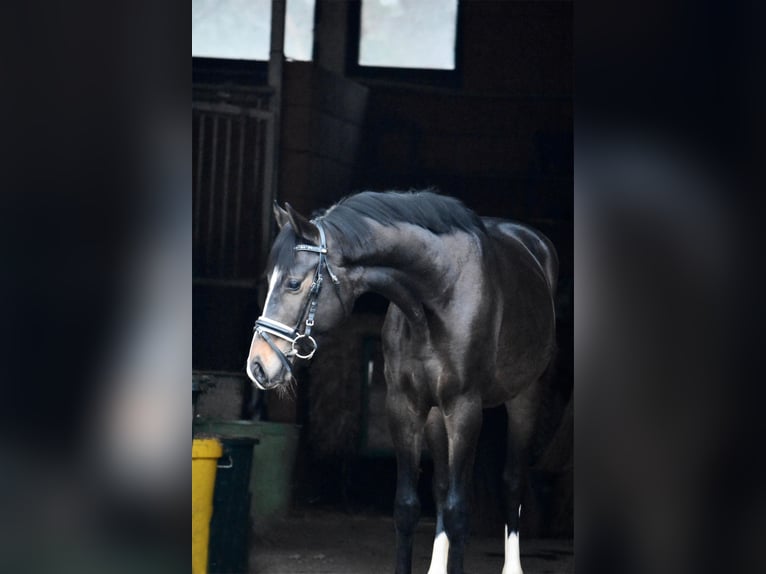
437	213
349	219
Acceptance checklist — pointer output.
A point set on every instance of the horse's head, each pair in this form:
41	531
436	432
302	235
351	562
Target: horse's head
304	298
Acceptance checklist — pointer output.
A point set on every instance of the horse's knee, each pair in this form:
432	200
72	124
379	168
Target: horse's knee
406	512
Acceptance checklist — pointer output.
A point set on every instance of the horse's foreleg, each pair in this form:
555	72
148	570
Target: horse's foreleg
522	412
463	423
436	436
407	433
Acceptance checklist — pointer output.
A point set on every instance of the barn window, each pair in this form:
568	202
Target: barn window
241	29
408	34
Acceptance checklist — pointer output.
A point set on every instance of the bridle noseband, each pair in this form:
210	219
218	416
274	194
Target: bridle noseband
266	327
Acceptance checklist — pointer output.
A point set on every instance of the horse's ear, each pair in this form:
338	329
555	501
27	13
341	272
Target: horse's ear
302	226
280	215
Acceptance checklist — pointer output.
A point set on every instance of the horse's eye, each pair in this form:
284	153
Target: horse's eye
293	284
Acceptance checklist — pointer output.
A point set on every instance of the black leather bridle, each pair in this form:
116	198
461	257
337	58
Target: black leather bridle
267	328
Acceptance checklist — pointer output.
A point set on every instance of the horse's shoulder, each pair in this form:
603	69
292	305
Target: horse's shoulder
509	233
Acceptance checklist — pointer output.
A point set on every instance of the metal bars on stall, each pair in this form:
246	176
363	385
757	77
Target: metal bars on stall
232	175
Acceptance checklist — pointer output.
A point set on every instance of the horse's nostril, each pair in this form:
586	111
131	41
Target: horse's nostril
258	372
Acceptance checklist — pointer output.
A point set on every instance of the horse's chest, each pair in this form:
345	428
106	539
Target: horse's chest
421	369
420	364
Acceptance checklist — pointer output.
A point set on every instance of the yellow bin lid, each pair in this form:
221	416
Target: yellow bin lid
206	448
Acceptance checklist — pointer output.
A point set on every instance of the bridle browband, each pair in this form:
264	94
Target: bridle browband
266	327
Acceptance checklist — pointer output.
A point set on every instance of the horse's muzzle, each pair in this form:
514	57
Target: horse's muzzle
259	375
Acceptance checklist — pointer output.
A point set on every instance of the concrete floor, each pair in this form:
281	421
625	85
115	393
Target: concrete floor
336	543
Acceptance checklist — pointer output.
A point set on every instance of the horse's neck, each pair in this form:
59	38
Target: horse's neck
413	270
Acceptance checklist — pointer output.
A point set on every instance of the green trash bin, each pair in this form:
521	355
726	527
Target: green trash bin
230	524
271	479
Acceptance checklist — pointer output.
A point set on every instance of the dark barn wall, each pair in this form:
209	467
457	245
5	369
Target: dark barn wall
502	140
322	126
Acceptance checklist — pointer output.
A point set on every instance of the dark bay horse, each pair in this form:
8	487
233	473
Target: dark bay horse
470	326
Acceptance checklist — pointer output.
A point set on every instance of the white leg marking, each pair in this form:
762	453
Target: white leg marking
512	556
439	555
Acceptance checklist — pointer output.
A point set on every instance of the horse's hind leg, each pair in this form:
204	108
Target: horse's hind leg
522	412
436	436
406	426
